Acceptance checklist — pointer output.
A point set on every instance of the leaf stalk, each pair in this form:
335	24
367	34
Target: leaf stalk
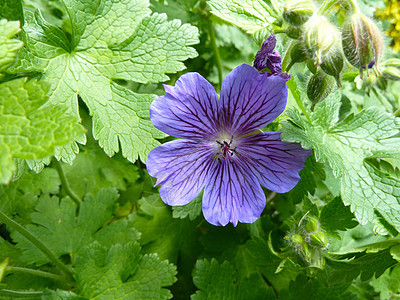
34	272
217	55
30	237
65	183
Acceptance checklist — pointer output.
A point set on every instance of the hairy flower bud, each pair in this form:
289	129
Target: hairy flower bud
391	69
312	224
297	239
362	42
320	239
297	12
333	64
293	32
322	44
319	87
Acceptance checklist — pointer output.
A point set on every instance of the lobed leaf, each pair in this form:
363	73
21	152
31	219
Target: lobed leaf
8	45
56	225
250	15
221	281
110	40
29	129
120	272
346	146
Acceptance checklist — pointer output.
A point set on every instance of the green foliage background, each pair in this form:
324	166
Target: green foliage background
80	218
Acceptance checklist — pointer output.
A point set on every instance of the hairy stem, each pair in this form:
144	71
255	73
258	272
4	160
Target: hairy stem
19	294
217	56
65	182
285	60
30	237
35	272
354	6
326	6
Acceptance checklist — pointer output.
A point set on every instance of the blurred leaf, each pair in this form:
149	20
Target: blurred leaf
220	281
121	272
335	216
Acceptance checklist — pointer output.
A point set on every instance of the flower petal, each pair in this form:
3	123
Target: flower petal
276	164
181	167
251	100
232	194
188	110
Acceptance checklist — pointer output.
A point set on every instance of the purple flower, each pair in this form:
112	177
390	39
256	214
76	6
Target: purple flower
221	149
266	57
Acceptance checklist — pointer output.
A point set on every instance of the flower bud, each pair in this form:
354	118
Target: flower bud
297	12
322	44
312	224
296	54
267	58
333	64
293	32
320	238
362	42
297	239
319	87
306	253
391	69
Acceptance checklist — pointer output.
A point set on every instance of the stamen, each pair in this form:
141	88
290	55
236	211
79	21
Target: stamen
226	151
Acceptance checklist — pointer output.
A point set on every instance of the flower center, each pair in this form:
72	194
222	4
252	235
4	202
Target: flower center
226	150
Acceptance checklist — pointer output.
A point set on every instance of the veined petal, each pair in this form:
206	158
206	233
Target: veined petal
276	164
188	110
251	100
232	194
181	167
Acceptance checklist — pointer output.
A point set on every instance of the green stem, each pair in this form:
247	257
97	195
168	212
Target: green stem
354	6
285	61
19	294
35	272
65	182
326	6
396	113
273	13
216	54
30	237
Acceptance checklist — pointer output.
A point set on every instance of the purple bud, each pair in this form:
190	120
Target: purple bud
266	57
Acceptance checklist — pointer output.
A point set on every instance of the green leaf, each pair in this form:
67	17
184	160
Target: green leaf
221	281
163	234
321	286
120	272
11	10
114	40
346	146
21	196
388	284
55	36
307	184
335	216
255	256
8	250
29	127
191	210
56	225
366	264
93	170
251	15
60	295
8	46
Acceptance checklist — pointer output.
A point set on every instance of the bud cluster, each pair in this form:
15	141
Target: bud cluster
325	47
308	240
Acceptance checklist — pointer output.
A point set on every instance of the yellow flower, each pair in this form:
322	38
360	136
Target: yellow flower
392	13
